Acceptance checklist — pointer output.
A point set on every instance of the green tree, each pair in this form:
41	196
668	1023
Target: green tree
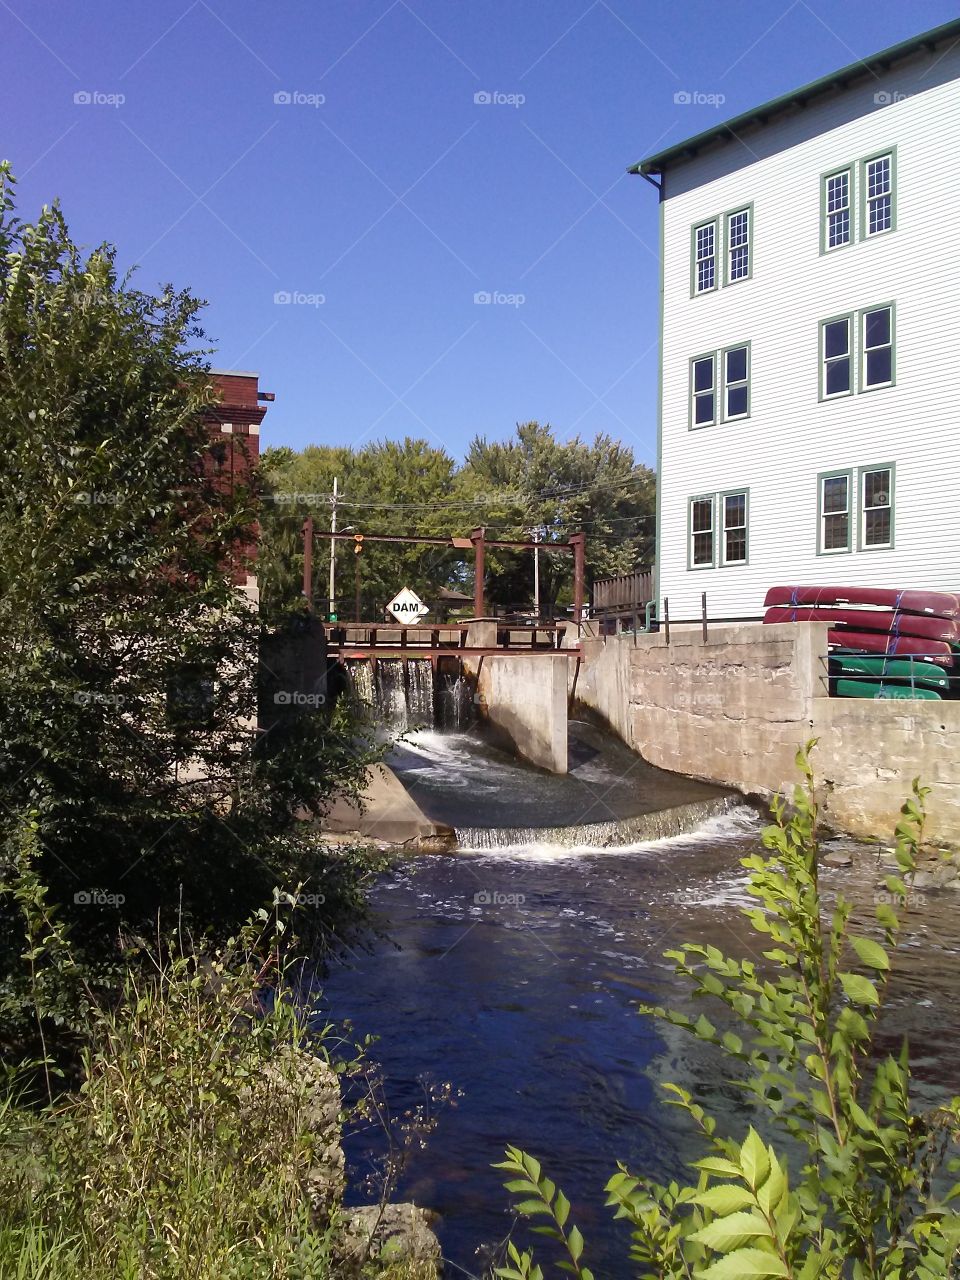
867	1200
128	659
401	488
531	482
560	487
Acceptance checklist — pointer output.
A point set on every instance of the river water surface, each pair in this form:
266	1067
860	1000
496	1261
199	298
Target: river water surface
514	974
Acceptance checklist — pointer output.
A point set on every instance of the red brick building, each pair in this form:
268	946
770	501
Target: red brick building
235	444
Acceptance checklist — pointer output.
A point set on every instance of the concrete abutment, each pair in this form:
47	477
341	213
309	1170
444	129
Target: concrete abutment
734	708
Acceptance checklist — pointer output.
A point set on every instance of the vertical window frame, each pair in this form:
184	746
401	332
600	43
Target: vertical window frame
852	321
862	473
723	353
864	217
850	170
714	222
862	347
712	499
716	392
852	488
725	221
720	531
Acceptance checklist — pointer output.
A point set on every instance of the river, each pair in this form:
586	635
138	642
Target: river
514	973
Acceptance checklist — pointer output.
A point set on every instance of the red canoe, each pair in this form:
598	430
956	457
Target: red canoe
937	651
925	626
939	603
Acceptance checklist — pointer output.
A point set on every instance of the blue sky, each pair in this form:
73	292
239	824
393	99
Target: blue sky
421	152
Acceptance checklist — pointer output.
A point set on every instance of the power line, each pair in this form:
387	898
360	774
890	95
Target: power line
525	501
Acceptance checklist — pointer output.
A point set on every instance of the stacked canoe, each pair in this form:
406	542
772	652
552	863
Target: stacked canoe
884	643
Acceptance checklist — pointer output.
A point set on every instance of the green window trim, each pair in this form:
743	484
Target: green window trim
862	347
746	209
825	178
723	528
722	248
857	352
710	498
851	512
725	383
865	197
692	392
718	530
859	199
850	317
719	387
713	222
863	472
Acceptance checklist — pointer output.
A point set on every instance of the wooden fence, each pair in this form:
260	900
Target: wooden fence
621	595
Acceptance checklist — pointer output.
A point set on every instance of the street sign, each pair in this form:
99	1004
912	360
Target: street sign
406	606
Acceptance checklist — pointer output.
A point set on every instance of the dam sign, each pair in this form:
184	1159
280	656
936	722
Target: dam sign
406	606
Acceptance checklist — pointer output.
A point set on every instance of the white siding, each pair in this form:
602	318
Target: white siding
790	436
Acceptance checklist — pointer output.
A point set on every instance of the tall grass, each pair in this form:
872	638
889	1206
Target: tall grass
201	1144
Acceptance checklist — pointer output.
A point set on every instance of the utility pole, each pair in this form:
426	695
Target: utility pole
536	574
332	608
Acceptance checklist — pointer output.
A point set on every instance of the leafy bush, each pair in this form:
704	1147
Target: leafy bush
128	658
870	1200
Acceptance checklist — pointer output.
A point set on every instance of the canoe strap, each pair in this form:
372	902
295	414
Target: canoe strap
794	593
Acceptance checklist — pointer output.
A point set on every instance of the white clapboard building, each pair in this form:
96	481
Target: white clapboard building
810	338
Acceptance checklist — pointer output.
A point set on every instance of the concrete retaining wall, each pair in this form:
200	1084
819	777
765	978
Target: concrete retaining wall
869	752
525	697
734	710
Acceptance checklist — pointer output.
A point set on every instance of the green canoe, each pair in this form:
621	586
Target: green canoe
874	689
923	673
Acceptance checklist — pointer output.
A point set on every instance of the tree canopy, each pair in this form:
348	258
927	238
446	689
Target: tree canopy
531	482
128	658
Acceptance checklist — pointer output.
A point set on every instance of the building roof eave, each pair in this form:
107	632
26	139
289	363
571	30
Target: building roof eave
729	130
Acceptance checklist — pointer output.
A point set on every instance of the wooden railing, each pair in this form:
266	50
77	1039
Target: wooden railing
622	594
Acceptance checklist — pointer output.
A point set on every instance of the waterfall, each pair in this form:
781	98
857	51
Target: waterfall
455	705
391	694
361	683
675	821
419	693
406	693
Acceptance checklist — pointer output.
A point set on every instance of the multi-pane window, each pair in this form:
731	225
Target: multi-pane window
876	507
701	532
877	347
878	193
734	528
720	386
738	245
846	521
705	263
721	250
736	382
865	362
858	201
718	524
836	358
835	513
837	209
704	390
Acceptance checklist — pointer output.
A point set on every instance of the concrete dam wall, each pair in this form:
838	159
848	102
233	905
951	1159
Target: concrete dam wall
734	709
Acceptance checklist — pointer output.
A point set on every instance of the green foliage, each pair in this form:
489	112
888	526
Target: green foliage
128	658
561	487
373	482
533	481
198	1145
869	1198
